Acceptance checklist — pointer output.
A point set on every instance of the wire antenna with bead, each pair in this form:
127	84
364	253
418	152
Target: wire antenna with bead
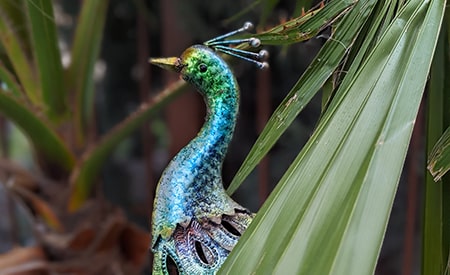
221	45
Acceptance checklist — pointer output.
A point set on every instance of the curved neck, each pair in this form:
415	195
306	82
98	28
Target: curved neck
191	185
217	131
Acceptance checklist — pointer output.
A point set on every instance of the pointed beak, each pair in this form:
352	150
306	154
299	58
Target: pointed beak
167	63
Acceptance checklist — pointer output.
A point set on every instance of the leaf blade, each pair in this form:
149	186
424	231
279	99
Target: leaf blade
48	57
18	57
329	212
307	86
305	26
85	52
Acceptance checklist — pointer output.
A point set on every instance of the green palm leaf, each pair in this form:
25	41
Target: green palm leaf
322	67
329	212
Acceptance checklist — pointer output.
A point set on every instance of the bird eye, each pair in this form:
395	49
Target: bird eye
202	67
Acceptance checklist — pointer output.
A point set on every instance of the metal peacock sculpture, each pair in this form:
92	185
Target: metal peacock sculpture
195	223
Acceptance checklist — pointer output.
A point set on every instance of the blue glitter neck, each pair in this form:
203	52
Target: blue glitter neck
191	186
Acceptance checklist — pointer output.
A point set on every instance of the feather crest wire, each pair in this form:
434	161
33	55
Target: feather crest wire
220	44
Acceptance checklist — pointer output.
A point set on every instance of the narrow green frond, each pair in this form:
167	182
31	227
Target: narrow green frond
364	43
369	36
17	56
48	57
329	212
85	51
306	26
322	67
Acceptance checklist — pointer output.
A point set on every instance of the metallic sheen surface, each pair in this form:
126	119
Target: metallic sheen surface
195	223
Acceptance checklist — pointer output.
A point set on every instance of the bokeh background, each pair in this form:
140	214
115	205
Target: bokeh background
136	30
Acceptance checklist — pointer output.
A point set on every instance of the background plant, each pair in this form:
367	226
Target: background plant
329	211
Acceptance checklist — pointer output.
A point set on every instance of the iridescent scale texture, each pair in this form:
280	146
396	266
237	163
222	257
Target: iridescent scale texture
195	223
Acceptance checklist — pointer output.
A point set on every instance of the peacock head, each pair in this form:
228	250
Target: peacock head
199	63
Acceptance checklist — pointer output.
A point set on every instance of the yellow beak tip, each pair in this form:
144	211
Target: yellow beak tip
167	63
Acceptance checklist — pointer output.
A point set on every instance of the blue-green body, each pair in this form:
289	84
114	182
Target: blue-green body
195	222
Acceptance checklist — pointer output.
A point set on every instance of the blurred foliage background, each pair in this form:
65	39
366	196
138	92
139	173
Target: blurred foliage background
123	80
